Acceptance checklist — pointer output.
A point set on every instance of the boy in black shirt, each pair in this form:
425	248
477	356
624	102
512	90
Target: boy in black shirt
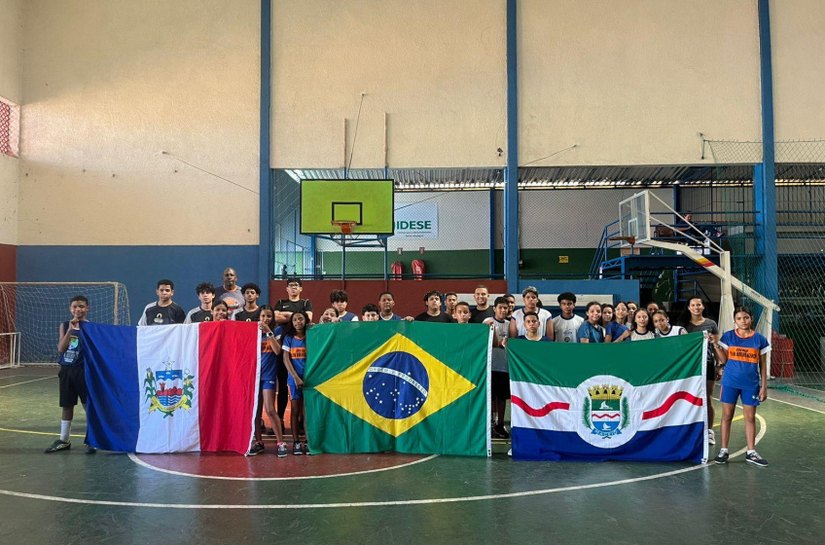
165	311
203	312
250	312
433	313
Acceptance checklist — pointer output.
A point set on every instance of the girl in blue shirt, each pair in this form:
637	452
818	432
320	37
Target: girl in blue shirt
613	330
591	330
743	354
295	354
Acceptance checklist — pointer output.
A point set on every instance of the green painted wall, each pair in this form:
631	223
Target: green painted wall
544	262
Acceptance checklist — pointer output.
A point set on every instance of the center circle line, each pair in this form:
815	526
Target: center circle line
423	501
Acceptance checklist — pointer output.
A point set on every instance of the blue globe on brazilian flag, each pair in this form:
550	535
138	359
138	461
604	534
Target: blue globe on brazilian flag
412	387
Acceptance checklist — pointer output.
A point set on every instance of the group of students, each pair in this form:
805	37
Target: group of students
283	352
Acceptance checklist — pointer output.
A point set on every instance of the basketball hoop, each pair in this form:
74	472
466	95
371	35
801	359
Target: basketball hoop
345	226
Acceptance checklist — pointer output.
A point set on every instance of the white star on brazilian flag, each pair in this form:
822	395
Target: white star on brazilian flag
346	388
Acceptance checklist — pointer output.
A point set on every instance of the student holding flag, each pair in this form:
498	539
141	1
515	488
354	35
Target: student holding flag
295	356
531	325
641	326
591	330
270	350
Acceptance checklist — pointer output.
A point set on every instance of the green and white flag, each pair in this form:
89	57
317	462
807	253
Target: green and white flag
616	401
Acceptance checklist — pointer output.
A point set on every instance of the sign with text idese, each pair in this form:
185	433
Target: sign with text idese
416	220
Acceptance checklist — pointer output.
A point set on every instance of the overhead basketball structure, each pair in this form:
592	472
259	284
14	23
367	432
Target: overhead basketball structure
638	226
351	213
333	207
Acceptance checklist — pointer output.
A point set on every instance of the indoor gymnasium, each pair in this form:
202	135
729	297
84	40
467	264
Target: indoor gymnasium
270	270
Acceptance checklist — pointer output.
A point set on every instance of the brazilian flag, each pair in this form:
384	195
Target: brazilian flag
412	387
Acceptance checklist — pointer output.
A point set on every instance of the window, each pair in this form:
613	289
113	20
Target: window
9	127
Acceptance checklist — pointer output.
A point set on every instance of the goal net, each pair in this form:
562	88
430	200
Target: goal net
35	310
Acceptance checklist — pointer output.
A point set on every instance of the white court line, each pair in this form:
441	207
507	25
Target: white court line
138	461
30	432
26	382
428	501
795	405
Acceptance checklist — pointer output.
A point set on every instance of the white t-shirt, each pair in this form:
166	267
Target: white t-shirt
544	316
675	331
567	329
499	355
639	337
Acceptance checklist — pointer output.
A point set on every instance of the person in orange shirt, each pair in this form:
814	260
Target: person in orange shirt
743	354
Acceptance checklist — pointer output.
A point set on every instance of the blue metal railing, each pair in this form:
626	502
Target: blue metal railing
610	231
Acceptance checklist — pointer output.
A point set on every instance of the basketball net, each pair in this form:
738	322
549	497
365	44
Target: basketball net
344	226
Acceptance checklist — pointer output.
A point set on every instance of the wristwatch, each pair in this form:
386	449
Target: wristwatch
269	334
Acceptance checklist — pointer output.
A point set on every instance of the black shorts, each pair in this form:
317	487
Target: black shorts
72	385
710	369
500	385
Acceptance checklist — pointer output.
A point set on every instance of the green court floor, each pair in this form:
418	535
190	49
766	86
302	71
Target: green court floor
71	497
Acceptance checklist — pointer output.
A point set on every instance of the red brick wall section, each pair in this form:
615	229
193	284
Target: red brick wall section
8	263
409	294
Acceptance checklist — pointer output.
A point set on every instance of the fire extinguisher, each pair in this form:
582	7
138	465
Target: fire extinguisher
418	269
397	270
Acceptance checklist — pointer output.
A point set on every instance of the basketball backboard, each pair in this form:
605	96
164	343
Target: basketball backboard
367	205
634	218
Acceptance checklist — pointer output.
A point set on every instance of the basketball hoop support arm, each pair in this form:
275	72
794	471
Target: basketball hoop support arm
715	270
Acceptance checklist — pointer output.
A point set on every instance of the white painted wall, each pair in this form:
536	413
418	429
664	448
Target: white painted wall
634	81
11	35
799	76
109	85
629	82
437	68
106	86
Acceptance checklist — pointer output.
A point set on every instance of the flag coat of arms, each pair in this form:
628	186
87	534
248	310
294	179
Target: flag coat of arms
413	387
172	388
640	401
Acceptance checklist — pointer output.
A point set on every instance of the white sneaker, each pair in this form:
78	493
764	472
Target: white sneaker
711	437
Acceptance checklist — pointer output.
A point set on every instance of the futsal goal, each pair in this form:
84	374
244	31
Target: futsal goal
31	314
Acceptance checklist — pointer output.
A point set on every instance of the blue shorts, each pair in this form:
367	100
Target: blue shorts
294	391
268	384
730	395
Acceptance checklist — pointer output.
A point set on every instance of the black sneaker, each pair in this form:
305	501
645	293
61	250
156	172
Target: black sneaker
90	449
296	449
501	432
255	449
755	459
58	446
722	458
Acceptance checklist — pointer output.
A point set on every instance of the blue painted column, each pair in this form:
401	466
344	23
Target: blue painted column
265	183
313	251
493	223
511	249
764	181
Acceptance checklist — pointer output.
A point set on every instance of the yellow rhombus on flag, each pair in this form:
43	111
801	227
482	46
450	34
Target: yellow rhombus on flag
347	387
